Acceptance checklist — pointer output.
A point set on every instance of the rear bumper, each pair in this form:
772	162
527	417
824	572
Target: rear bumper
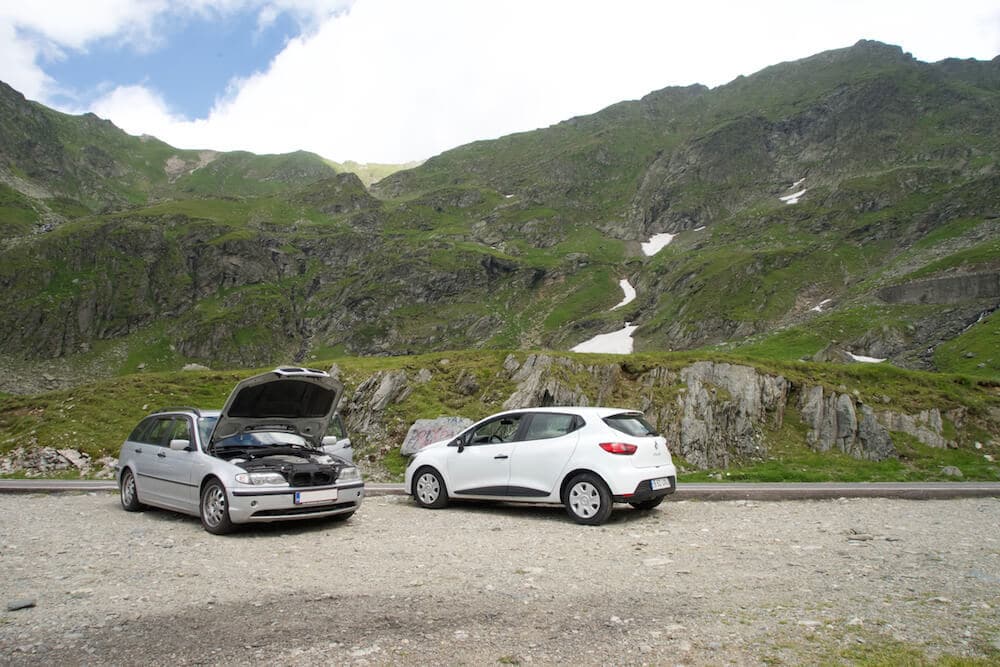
643	491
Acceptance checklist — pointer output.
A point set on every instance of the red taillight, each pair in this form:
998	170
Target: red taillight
618	447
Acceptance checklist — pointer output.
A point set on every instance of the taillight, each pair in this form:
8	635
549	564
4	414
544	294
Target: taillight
618	447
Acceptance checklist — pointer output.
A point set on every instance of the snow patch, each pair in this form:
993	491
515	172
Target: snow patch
656	243
797	183
794	197
864	359
616	342
819	306
629	293
698	229
507	196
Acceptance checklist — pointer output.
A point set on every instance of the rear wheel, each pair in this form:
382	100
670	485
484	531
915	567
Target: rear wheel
647	504
429	489
215	509
129	495
588	499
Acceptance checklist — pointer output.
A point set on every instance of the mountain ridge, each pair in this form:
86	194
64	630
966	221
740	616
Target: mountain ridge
520	242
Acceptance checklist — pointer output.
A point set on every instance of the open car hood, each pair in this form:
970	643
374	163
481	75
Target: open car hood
290	400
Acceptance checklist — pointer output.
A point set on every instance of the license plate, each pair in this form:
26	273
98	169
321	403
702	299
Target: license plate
307	497
661	483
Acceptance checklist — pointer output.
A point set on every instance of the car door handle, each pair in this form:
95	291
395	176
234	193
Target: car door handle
161	455
138	450
501	456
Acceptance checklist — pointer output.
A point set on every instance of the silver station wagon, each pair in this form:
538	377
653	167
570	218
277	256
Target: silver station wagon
260	458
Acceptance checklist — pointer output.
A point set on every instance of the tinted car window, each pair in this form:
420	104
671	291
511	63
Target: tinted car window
336	428
547	425
498	430
157	434
181	430
632	424
140	430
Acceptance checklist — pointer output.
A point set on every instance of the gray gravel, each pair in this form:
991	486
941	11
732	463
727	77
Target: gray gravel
710	583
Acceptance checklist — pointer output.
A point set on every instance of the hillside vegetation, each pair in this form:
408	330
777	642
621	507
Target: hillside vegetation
95	417
121	253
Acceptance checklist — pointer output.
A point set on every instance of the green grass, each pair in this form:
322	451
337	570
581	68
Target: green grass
872	647
982	254
974	352
97	416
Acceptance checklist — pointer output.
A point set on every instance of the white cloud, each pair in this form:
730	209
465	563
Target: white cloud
396	80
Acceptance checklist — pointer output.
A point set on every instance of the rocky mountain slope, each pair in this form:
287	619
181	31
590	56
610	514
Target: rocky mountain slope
847	202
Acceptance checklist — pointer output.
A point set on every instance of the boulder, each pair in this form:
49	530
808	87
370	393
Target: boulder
425	431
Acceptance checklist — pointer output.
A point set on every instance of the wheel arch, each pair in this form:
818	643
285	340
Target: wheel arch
568	477
416	474
211	477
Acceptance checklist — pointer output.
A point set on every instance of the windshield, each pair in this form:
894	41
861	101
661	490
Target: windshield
633	424
263	439
205	426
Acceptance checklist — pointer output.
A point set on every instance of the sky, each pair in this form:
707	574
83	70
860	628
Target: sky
390	81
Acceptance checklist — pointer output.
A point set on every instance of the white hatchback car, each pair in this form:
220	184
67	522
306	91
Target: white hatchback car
583	458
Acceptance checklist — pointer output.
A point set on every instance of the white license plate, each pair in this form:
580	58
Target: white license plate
306	497
662	483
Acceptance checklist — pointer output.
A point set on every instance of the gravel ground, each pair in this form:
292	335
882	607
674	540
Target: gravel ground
697	583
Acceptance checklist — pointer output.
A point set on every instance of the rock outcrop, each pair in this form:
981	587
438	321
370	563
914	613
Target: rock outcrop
720	412
45	461
724	410
926	426
836	422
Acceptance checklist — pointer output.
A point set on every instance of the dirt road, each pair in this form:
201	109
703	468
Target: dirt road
731	582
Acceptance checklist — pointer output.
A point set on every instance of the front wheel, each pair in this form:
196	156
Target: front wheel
129	495
588	500
429	489
215	509
648	504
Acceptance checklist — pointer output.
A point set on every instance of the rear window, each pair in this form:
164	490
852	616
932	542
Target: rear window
631	423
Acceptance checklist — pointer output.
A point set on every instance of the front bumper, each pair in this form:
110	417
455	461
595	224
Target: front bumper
643	491
247	505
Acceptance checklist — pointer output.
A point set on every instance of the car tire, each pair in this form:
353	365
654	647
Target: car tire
429	490
588	499
129	495
647	504
214	508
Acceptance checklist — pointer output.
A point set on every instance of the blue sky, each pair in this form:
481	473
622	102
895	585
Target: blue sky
402	80
196	59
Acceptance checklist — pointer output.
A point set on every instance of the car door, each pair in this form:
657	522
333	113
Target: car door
538	461
148	472
137	453
481	466
176	468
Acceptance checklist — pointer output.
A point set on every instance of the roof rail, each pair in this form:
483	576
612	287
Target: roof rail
179	408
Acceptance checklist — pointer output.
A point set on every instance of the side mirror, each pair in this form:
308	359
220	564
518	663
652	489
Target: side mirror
458	442
180	445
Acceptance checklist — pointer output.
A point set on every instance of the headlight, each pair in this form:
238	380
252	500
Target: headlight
258	478
349	474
